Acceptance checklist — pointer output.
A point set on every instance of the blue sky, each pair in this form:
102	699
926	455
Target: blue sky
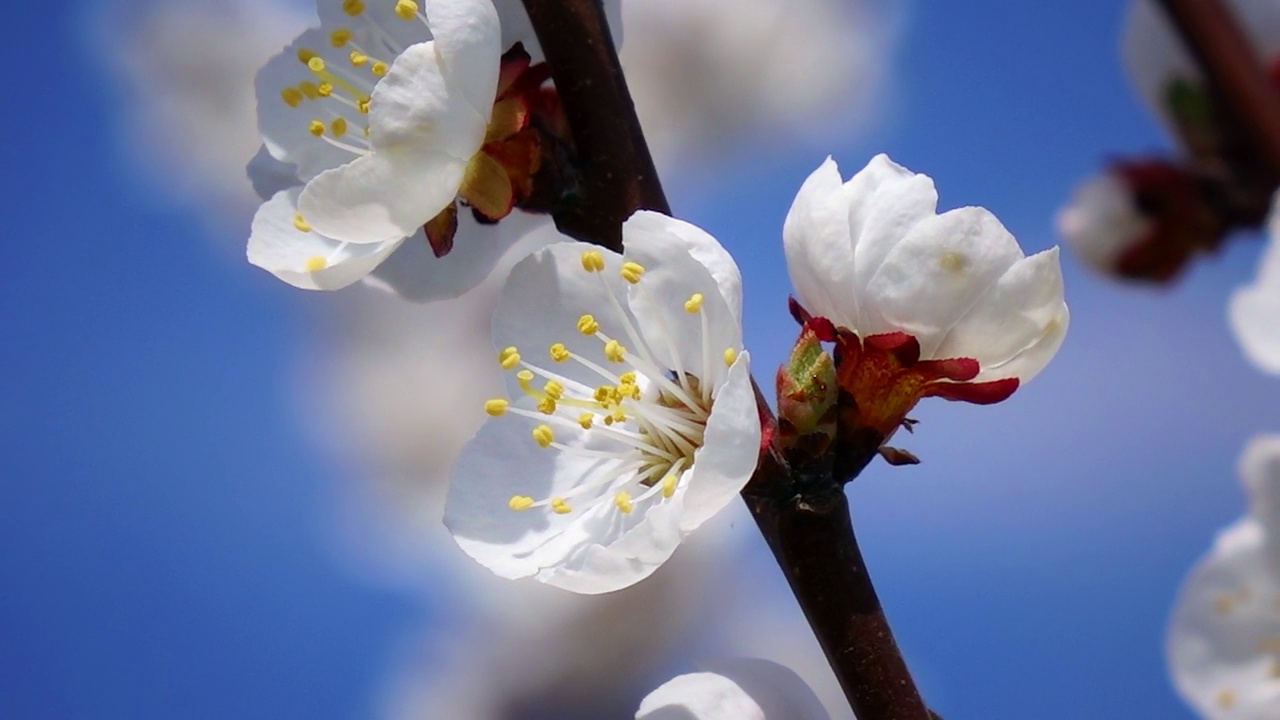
162	520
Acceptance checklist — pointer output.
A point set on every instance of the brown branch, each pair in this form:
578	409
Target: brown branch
1234	71
618	176
813	540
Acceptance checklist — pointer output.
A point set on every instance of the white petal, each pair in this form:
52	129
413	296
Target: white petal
704	248
731	446
740	689
1260	469
467	45
1102	222
886	201
415	273
1254	310
277	246
269	175
692	342
1224	626
1023	308
819	248
935	274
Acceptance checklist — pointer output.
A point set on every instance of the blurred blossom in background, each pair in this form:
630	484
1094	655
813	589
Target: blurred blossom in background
223	494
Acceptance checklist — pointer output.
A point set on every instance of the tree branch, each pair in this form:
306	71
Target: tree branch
1234	72
813	541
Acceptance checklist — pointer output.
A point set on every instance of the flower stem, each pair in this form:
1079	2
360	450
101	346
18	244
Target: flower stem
811	538
1234	73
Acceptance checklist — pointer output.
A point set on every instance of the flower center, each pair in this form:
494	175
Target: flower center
652	417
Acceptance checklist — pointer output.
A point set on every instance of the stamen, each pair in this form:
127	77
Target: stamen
316	64
560	353
553	389
730	355
358	59
544	435
669	486
587	324
520	503
315	263
509	358
305	55
324	89
614	351
352	7
496	407
379	69
631	271
586	420
309	90
292	96
338	126
592	261
316	128
406	9
623	501
340	37
560	506
694	303
547	406
300	223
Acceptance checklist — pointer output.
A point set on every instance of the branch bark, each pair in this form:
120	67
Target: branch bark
1234	72
813	542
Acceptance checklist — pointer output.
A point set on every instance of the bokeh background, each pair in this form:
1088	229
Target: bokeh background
219	495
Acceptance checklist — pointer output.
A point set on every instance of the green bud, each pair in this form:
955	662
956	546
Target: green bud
807	393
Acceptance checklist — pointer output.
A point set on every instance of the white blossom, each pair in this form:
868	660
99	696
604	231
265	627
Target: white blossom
951	295
1254	310
1103	221
1224	639
740	689
634	418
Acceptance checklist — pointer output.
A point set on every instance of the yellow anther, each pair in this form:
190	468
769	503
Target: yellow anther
305	55
315	263
300	223
586	420
592	261
730	355
632	391
338	126
525	376
544	435
560	506
614	351
631	271
509	358
608	419
628	378
520	502
292	96
352	7
324	89
587	325
617	415
358	58
316	64
316	128
363	106
560	353
623	501
340	37
496	407
694	303
547	406
604	394
553	389
669	485
406	9
379	69
309	89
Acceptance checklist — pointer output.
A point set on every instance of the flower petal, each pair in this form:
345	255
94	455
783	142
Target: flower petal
739	689
935	274
819	249
277	245
730	449
1260	469
1023	308
1254	310
467	45
1102	222
1223	638
704	248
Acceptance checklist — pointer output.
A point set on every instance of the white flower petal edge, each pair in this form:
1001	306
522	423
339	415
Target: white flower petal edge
281	243
872	255
739	689
1102	222
1254	310
1223	642
634	421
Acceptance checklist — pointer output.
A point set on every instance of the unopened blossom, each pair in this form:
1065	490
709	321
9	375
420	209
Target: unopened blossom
391	114
1255	309
1223	641
632	418
1140	220
740	689
924	304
